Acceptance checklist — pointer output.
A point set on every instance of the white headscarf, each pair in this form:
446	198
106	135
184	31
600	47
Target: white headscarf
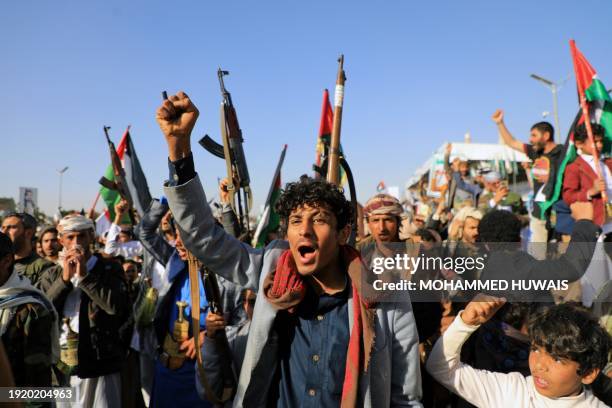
75	223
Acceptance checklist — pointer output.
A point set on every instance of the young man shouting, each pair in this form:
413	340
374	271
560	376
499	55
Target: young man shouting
314	341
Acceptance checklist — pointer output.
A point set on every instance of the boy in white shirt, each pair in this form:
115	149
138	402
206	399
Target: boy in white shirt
568	351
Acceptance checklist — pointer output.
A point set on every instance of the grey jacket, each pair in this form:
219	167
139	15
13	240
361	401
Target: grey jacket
161	251
393	378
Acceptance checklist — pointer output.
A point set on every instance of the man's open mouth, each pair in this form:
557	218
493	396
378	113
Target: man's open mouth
307	253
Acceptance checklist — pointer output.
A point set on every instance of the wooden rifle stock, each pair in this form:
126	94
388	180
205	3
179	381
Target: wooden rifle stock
333	167
213	296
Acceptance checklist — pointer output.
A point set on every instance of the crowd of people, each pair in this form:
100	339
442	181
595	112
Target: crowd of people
112	316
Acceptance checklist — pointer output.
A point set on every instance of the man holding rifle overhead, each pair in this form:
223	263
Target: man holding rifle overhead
314	339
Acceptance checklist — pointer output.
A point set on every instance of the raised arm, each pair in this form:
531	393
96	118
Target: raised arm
113	246
148	235
479	387
215	248
498	118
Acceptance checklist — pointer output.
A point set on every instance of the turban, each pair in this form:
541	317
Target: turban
383	204
75	223
466	212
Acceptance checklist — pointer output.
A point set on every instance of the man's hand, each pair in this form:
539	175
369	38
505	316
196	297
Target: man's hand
582	210
165	222
224	194
74	264
176	117
598	186
481	309
500	194
68	270
214	323
498	116
188	346
120	209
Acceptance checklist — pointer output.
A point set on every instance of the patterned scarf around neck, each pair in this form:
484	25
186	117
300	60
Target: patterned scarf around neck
285	288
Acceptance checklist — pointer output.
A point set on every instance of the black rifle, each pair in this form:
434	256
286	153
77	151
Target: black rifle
232	152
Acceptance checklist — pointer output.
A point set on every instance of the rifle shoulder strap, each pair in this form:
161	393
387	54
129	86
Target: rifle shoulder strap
194	287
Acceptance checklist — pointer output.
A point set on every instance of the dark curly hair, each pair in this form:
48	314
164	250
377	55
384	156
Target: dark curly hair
568	332
499	226
315	193
580	135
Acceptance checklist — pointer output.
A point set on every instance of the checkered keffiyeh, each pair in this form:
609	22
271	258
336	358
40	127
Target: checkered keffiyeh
383	204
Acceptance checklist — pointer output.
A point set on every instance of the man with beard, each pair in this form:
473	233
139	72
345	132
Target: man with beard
90	295
383	215
50	245
21	227
312	334
546	156
497	196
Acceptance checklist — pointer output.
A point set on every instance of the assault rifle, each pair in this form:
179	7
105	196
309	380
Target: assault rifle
241	198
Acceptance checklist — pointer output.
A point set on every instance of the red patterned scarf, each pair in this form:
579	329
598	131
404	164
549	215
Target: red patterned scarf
285	288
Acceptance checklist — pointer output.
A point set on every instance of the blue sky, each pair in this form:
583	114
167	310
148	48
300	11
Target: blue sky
419	74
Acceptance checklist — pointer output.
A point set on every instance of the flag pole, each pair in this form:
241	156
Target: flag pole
587	124
92	209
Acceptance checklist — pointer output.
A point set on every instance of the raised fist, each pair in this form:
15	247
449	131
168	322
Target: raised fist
176	117
498	116
481	309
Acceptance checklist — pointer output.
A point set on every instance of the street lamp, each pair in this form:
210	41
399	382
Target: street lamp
554	87
61	174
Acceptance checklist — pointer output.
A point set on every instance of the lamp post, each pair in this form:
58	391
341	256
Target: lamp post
61	175
554	88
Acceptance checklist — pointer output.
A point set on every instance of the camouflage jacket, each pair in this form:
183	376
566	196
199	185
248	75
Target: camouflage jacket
28	345
32	267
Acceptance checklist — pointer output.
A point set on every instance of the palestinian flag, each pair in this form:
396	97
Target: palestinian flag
324	140
111	197
270	220
591	89
134	178
599	105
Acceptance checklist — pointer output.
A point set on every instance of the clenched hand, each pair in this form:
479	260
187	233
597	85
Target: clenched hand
176	117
